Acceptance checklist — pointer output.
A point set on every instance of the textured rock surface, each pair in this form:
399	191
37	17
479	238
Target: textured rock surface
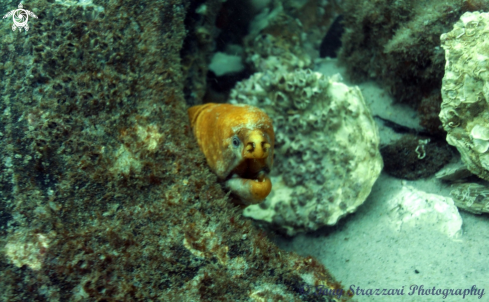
471	197
454	172
326	148
104	194
465	90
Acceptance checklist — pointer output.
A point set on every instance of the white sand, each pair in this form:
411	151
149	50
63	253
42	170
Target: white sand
366	251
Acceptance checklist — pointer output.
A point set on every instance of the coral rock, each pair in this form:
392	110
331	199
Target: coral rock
465	90
327	155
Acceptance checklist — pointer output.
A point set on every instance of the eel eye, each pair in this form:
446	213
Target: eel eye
236	142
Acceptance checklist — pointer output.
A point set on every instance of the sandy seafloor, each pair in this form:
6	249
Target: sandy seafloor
370	249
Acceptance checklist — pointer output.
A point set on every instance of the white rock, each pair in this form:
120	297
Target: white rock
222	64
326	156
465	90
413	209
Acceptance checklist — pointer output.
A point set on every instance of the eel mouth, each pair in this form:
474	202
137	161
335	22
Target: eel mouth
250	181
251	169
257	177
250	191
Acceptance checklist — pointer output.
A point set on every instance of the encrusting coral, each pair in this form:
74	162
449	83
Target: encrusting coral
238	142
286	35
327	148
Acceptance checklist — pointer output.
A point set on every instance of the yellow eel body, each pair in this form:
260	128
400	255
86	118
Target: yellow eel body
238	142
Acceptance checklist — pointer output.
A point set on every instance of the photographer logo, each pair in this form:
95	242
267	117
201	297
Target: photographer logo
20	17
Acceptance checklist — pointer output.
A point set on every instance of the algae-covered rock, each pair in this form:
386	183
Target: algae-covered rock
413	157
104	193
397	43
326	148
465	90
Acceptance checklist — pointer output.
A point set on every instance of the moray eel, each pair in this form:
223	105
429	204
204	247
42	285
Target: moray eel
238	142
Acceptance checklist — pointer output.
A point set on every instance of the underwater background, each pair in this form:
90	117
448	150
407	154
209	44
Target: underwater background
380	168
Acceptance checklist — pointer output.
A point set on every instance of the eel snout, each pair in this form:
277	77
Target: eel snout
249	179
256	145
